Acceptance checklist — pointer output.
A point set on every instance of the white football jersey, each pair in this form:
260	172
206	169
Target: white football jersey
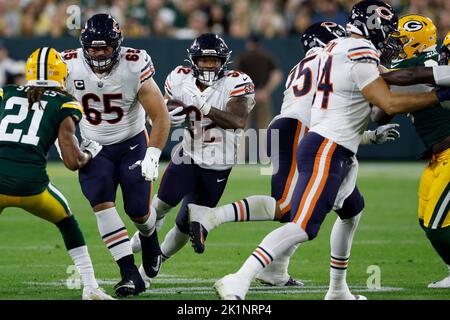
210	146
112	113
340	112
300	87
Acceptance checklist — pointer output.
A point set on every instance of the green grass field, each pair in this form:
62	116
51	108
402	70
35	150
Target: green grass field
34	261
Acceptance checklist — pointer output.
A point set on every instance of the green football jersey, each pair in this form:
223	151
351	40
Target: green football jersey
432	124
26	135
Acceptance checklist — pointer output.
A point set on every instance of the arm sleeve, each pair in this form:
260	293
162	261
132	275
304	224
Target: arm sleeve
442	75
364	73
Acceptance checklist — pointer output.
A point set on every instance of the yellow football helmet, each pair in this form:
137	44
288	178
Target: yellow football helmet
447	40
45	68
416	34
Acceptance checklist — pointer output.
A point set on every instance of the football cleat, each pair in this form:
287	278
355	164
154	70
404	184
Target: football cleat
202	220
91	293
291	282
151	254
343	295
231	287
444	283
136	243
127	288
131	285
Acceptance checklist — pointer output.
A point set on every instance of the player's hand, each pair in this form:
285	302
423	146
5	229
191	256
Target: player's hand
149	165
381	135
198	99
176	120
91	146
58	149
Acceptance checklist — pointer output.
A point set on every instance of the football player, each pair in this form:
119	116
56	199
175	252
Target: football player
348	81
116	89
444	57
418	37
218	101
32	117
290	125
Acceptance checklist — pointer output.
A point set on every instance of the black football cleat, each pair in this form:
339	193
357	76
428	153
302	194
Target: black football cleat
197	235
151	254
127	288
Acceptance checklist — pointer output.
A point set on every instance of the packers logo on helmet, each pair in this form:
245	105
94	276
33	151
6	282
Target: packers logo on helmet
45	68
416	33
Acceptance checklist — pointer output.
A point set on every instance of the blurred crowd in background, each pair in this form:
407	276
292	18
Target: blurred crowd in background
186	19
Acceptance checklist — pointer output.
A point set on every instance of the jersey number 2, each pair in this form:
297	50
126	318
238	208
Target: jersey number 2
17	134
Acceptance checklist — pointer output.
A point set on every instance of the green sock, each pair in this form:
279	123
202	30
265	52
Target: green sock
71	233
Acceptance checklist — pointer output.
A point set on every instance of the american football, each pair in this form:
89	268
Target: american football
225	149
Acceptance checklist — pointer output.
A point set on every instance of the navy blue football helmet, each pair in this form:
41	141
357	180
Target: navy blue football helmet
375	20
209	45
101	30
320	33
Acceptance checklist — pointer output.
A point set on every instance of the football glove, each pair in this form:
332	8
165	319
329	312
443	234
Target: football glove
176	120
381	135
91	146
149	165
198	99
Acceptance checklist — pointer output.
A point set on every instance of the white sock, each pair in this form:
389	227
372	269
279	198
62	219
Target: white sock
82	260
341	243
161	209
253	208
173	242
148	227
113	232
274	244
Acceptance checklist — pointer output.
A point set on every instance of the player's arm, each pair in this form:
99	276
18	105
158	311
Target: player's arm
153	103
378	93
367	78
437	75
72	155
235	117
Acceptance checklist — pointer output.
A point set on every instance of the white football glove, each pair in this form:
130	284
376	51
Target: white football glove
381	135
197	98
58	149
175	121
91	146
149	165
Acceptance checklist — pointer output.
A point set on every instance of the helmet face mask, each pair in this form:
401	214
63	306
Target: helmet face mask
208	45
101	31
